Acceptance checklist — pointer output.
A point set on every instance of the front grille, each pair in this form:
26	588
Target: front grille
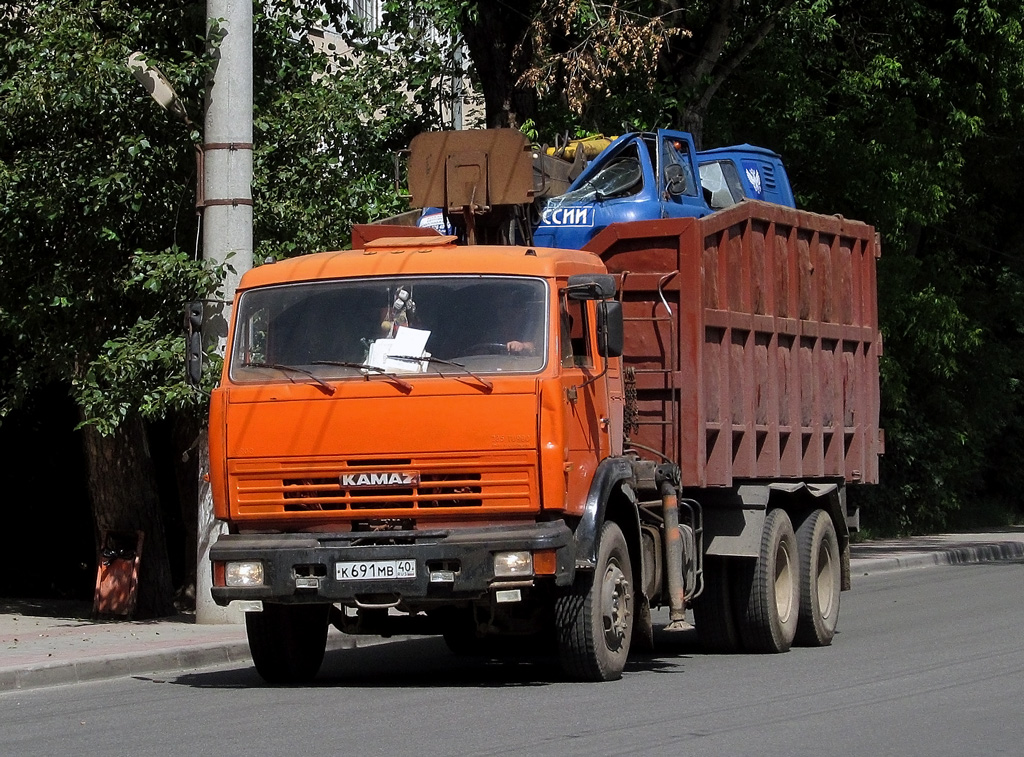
434	490
504	482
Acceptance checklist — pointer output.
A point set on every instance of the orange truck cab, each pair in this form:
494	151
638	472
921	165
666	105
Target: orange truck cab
492	442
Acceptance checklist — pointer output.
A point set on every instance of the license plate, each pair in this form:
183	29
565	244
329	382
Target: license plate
374	570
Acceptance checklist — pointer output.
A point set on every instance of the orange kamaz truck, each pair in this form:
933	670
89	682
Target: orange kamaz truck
531	449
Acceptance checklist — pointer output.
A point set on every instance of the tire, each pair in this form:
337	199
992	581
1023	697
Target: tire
594	619
820	580
767	590
713	609
287	642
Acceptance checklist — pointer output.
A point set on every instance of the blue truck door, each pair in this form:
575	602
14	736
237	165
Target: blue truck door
679	191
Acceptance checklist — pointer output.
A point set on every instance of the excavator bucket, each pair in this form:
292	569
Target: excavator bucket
478	169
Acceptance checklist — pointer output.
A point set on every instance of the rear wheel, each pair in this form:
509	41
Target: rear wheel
594	619
287	642
818	548
768	589
713	609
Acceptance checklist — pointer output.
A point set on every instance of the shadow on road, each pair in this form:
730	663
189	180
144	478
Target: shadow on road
428	663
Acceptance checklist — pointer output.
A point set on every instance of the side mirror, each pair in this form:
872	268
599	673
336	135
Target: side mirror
609	329
675	179
193	343
591	286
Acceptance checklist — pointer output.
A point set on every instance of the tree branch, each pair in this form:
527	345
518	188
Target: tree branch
715	34
726	67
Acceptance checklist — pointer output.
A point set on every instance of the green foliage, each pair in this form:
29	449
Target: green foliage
140	369
95	186
905	115
99	249
329	119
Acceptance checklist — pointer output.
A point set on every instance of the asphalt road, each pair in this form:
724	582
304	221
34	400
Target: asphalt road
926	662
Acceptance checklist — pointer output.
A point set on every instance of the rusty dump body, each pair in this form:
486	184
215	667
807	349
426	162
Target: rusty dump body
427	435
751	337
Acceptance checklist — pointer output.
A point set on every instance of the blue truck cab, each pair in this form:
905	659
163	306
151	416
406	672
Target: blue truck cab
730	174
650	175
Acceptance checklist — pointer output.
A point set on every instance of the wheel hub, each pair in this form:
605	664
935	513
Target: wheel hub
824	581
784	578
616	612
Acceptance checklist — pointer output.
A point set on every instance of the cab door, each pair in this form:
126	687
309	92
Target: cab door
584	397
679	189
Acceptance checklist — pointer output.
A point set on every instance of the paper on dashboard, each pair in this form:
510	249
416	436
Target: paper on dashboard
406	342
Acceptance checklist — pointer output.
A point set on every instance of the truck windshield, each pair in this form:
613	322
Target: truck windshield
620	177
369	327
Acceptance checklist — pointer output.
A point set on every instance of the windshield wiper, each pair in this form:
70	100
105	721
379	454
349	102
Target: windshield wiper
460	366
405	385
282	367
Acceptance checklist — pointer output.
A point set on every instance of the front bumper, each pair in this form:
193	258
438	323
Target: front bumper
300	568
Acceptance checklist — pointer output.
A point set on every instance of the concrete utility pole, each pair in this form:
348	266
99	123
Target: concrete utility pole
227	227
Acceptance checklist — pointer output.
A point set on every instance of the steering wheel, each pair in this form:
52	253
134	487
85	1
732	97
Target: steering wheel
487	348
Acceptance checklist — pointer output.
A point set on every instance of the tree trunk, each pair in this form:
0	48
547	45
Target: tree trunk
185	433
492	34
122	488
691	120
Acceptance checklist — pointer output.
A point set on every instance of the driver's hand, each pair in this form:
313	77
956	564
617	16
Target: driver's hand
518	348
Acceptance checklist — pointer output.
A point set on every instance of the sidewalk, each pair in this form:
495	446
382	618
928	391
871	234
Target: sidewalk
52	642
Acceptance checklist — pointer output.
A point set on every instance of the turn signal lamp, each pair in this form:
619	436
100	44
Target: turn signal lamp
545	562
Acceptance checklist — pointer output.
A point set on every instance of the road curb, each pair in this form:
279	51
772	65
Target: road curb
137	663
179	659
972	554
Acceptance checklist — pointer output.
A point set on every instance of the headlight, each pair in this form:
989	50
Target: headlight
243	573
510	564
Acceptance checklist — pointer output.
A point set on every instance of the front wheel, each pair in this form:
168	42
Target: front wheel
287	642
594	619
818	548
